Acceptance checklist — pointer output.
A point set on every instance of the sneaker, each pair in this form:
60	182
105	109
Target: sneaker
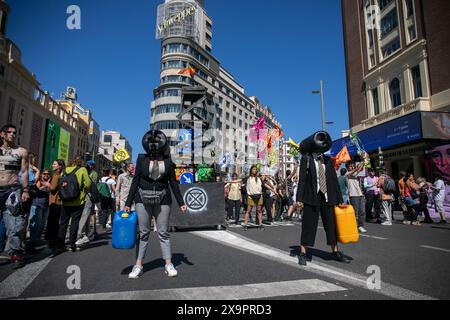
18	261
93	237
386	223
443	222
136	273
82	241
171	271
407	222
362	230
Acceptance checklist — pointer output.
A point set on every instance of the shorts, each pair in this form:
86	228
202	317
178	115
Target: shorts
254	203
439	206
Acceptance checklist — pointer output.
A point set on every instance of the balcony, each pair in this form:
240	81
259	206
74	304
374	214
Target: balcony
420	104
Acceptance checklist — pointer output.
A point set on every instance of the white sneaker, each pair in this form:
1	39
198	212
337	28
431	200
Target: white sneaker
362	230
136	273
386	223
171	271
82	241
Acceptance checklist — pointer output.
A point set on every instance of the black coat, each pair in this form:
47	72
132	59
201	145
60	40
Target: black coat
307	188
142	180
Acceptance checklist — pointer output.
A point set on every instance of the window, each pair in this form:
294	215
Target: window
165	125
240	124
412	33
376	104
227	116
409	8
208	25
107	138
234	120
234	108
389	23
417	82
12	104
208	37
167	108
384	3
394	89
183	48
391	47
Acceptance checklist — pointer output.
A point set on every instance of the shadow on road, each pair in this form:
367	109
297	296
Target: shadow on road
177	260
312	252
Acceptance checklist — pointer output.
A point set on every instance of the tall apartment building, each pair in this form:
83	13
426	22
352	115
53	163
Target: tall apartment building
186	36
398	82
44	127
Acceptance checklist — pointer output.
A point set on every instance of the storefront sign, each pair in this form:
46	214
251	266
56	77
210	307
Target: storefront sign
399	131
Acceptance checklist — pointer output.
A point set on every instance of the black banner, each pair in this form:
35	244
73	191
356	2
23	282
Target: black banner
206	206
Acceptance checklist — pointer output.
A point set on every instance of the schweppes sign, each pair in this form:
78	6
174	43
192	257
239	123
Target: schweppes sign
177	18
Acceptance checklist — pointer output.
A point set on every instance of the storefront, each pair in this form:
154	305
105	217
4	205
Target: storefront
417	143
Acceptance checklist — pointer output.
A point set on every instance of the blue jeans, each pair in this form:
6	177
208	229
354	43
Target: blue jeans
38	220
2	233
14	224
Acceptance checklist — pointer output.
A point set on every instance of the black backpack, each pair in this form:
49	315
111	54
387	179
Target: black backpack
69	189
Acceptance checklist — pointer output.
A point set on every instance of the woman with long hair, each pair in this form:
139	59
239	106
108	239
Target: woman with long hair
55	203
254	186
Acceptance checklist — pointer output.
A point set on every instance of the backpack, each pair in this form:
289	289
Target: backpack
69	189
94	194
389	184
103	189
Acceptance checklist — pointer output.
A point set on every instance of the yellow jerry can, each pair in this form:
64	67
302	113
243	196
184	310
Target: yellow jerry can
346	226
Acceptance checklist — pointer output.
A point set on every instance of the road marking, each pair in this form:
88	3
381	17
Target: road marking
14	285
373	237
241	292
239	242
435	248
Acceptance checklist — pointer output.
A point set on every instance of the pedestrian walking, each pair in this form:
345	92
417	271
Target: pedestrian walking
439	196
39	210
373	202
318	193
342	180
356	196
13	160
123	186
386	186
55	204
234	198
424	187
410	191
255	199
74	186
106	188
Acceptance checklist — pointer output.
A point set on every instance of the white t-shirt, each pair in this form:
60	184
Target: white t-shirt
439	195
110	182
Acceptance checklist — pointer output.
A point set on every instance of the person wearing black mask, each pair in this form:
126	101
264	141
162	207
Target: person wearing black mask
318	193
155	173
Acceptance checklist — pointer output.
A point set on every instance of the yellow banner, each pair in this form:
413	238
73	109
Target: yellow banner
121	155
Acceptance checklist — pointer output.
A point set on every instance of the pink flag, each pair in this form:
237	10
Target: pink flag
253	135
260	124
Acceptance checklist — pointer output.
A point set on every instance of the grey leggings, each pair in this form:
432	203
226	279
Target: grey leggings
161	214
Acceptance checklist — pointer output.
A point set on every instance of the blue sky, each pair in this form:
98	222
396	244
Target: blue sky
278	50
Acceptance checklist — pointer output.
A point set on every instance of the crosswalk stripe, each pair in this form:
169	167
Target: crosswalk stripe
245	244
241	292
435	248
14	285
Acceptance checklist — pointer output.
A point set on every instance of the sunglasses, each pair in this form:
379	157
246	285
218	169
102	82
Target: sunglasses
10	132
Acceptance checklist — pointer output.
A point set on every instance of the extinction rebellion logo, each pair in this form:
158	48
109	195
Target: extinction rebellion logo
196	199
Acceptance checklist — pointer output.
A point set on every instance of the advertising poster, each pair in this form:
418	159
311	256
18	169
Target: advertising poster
63	147
57	142
51	143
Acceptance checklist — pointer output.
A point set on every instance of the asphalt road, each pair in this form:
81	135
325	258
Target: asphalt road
237	264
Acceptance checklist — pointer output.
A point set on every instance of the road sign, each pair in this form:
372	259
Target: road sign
187	178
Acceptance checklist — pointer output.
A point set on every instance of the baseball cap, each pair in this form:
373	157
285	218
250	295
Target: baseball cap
90	163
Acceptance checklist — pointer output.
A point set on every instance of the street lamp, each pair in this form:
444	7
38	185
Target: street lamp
323	109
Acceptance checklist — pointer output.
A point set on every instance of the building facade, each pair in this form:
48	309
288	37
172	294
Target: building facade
111	142
186	35
397	54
